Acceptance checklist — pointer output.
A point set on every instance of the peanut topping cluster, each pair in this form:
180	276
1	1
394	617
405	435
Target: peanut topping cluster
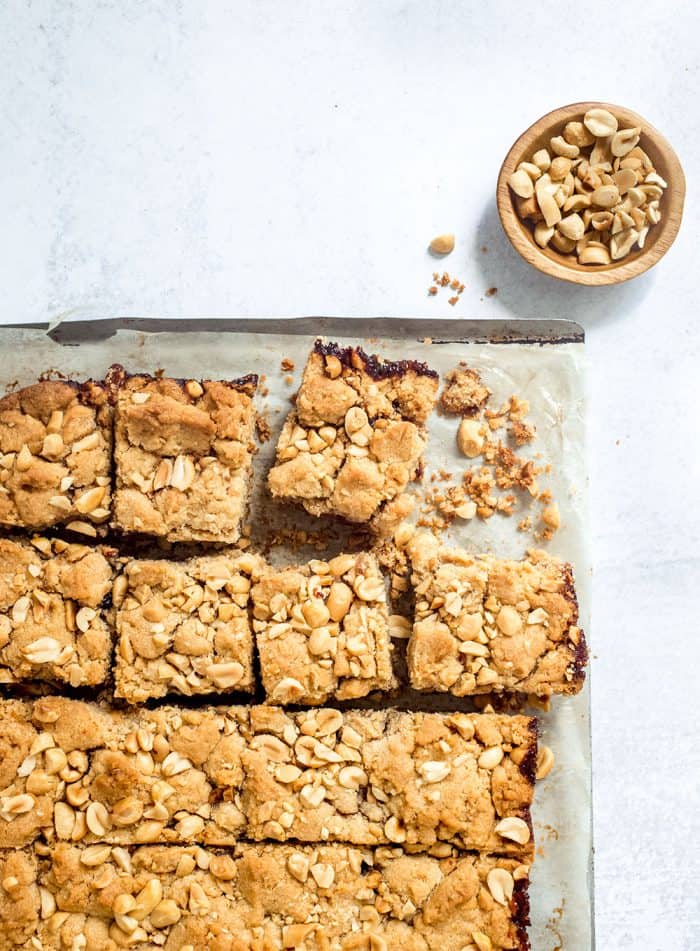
322	630
55	456
184	627
357	434
53	623
483	625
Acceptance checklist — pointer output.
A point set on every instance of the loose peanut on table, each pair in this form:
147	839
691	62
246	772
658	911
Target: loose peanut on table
593	194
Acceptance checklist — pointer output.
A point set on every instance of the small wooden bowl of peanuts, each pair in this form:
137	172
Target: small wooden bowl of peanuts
592	194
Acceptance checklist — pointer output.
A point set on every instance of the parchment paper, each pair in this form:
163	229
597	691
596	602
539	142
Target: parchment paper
550	377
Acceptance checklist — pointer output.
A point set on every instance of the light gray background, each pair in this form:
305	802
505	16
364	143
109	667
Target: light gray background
270	158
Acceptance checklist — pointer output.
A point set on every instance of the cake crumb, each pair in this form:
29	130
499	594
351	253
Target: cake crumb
522	433
262	427
287	365
492	291
446	280
464	392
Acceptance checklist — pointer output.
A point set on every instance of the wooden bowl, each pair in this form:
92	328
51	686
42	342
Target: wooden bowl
661	236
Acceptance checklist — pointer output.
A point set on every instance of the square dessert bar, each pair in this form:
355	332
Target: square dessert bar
484	625
183	456
55	615
357	434
259	898
75	771
55	456
183	627
387	776
322	630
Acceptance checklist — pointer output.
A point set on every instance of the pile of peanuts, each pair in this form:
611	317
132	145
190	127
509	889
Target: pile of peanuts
593	194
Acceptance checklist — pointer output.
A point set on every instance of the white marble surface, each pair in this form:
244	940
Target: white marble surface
273	158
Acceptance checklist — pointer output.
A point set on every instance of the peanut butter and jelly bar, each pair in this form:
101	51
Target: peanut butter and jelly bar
485	625
372	777
55	456
54	612
322	630
357	433
261	898
74	771
183	456
183	627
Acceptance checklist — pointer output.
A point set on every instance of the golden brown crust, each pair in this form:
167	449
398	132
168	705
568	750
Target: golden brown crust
485	625
322	630
259	898
183	627
356	437
214	775
55	456
54	621
183	456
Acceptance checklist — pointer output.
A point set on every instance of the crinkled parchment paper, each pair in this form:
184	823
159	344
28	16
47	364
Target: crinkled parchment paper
550	377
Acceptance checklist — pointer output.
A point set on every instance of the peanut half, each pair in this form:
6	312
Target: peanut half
593	194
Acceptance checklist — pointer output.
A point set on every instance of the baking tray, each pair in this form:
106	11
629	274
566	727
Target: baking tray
541	360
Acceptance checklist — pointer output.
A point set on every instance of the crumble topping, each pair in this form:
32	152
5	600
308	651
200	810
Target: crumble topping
55	456
183	457
322	630
356	437
486	625
55	624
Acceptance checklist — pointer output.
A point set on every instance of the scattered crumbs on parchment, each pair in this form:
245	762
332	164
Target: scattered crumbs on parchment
554	923
499	480
492	291
289	379
287	365
262	427
295	539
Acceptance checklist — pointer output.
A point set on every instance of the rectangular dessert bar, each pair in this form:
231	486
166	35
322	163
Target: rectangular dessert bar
260	898
76	771
372	777
183	457
86	772
55	618
484	625
357	433
183	627
55	456
322	630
